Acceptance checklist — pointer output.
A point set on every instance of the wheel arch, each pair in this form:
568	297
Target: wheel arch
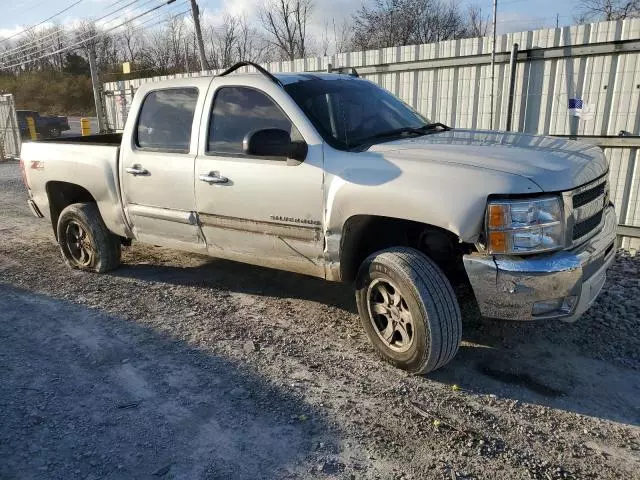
363	235
63	194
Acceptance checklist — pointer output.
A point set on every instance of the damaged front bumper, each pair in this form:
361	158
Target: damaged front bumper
559	285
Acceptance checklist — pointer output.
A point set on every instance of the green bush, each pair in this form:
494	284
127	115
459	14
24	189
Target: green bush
50	93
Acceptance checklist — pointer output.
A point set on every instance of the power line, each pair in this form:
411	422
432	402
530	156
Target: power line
122	8
43	21
36	43
81	42
113	4
180	14
142	26
26	46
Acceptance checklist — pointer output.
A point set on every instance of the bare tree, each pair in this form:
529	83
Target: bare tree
176	30
593	10
324	40
131	42
88	34
302	12
232	41
225	41
285	23
388	23
249	45
158	52
436	21
477	23
342	36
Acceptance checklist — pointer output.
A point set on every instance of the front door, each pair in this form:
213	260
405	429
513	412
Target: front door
261	210
157	170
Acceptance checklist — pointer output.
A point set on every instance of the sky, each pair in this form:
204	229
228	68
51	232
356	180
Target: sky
513	15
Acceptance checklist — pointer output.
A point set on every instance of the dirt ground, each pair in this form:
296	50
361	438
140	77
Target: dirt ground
181	366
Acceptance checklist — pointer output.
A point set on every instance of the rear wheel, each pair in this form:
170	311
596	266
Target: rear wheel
85	241
408	309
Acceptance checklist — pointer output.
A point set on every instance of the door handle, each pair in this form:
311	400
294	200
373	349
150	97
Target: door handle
137	170
213	177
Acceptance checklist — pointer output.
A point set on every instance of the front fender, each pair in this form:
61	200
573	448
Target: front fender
449	196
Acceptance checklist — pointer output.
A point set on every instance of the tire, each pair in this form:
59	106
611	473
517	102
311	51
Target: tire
84	240
408	309
54	132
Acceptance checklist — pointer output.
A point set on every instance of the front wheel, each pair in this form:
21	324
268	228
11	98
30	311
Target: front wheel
85	241
408	309
54	132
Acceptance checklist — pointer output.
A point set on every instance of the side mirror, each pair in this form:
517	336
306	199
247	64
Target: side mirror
273	142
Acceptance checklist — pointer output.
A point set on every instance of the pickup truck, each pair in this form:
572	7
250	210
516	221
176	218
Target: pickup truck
46	126
327	174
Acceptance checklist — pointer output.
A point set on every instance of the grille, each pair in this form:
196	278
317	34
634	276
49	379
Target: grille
582	228
585	205
589	195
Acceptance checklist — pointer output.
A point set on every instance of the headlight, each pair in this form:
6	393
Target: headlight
525	226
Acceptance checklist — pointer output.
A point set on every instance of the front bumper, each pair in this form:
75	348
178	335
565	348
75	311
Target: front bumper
508	287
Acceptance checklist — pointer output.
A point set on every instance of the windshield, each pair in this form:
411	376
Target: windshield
349	113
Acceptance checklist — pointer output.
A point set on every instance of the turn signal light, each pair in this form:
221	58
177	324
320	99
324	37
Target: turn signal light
498	241
497	214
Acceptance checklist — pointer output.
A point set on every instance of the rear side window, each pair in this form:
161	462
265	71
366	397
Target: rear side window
240	110
166	118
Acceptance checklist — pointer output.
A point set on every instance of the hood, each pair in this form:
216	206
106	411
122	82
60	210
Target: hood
554	164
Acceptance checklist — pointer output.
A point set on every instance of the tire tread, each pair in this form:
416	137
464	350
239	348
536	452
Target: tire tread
108	245
437	297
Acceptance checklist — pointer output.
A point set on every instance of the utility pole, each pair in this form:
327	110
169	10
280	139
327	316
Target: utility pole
493	62
195	11
557	20
96	88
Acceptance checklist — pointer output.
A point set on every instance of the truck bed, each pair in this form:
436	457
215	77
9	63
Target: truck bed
89	162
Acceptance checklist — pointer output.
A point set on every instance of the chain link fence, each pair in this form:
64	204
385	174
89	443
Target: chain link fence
10	141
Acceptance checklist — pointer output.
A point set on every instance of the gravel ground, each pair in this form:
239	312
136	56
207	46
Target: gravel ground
182	366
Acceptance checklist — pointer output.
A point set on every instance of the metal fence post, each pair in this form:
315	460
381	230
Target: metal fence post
512	84
15	127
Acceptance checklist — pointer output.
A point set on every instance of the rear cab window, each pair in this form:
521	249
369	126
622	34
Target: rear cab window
166	120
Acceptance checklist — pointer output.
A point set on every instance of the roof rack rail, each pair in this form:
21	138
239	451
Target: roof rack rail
343	70
263	71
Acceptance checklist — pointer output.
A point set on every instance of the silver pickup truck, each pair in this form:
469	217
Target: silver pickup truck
332	176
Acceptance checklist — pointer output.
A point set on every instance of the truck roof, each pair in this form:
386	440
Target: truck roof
249	78
287	78
293	77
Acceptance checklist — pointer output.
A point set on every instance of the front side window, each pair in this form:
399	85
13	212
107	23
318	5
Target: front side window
166	118
348	112
238	111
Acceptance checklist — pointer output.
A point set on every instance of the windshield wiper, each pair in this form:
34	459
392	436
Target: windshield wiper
433	126
399	131
422	130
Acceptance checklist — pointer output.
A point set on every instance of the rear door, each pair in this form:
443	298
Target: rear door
156	168
263	210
